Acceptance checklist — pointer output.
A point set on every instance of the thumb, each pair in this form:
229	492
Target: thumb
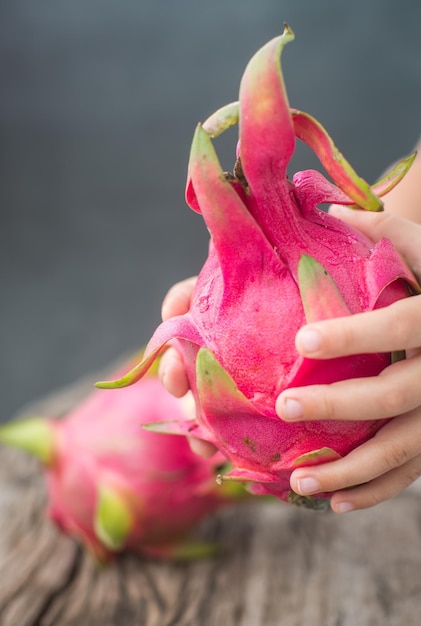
404	234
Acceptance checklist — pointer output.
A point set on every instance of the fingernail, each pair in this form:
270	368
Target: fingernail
307	486
291	409
343	507
308	340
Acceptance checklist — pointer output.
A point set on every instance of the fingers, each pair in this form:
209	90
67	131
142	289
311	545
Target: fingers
381	467
172	373
205	449
395	327
173	376
404	234
177	300
391	393
378	490
171	368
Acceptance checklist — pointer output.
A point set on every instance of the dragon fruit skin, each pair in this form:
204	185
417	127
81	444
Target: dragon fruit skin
275	263
116	486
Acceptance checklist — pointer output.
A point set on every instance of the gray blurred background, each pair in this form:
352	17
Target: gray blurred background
98	104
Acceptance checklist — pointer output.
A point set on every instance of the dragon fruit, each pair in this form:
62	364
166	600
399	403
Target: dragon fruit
276	262
115	486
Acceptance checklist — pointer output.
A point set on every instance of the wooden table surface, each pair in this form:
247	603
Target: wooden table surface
280	565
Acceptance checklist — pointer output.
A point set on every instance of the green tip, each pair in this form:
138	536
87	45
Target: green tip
232	489
217	390
195	550
113	517
309	502
189	550
320	295
34	435
222	119
213	375
394	176
136	373
309	130
322	455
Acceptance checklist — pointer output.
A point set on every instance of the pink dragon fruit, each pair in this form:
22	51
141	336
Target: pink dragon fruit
115	486
276	261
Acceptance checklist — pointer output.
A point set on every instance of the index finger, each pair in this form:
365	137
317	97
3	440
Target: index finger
177	300
395	327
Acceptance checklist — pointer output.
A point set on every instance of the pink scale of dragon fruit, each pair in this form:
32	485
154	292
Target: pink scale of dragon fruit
276	261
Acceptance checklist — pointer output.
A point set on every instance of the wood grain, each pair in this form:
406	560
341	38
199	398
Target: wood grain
279	565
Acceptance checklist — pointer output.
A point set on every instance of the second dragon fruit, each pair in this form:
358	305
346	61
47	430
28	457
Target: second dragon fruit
116	487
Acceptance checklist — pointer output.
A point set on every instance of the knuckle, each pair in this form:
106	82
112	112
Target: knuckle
411	473
178	297
373	499
346	335
398	325
339	479
328	408
382	224
393	401
173	292
395	455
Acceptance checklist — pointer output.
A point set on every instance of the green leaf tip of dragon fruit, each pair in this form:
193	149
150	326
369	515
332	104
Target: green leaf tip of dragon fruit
276	261
320	295
222	119
187	551
393	177
147	365
311	132
33	435
113	518
310	458
308	502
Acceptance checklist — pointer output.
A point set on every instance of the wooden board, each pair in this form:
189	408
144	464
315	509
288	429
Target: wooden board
280	565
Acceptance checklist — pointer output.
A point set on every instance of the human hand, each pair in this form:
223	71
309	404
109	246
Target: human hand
391	460
171	367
